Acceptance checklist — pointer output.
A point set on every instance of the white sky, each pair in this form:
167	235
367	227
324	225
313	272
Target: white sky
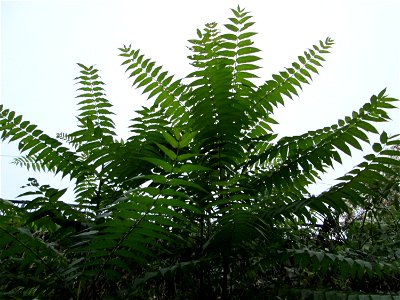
41	42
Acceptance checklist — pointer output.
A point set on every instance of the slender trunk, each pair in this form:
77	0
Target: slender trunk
362	228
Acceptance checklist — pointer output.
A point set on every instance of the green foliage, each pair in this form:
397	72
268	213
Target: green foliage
203	200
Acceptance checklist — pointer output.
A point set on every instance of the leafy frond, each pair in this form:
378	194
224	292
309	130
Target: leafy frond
366	178
156	82
346	266
286	83
238	47
317	150
30	162
212	102
48	151
94	108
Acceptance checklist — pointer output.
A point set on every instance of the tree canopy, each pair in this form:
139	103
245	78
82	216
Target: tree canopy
203	200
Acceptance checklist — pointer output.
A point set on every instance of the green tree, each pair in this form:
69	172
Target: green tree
202	200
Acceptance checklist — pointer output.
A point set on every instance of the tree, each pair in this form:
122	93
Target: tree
202	200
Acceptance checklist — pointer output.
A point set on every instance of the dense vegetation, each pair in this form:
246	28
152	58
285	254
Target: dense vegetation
203	201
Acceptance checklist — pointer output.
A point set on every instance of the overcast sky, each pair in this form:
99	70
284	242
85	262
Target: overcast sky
41	42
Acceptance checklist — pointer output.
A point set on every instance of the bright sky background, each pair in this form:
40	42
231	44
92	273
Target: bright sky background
41	42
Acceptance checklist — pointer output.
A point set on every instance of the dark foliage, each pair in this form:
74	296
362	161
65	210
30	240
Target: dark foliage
203	201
